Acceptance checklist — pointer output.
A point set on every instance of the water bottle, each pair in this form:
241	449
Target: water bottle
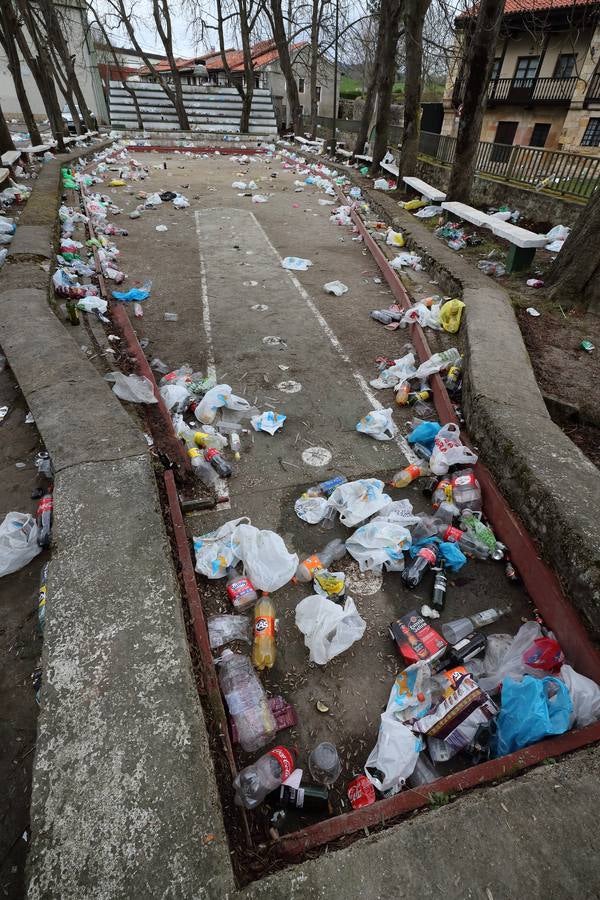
235	444
458	629
246	701
466	490
265	775
201	469
413	574
333	550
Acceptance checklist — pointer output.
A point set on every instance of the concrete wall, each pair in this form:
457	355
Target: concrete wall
527	118
80	42
276	83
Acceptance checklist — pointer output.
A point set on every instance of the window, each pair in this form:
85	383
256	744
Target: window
591	137
527	67
496	67
301	85
565	66
539	135
318	93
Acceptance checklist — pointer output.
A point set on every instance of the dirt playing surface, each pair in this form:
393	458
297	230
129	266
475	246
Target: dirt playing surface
218	267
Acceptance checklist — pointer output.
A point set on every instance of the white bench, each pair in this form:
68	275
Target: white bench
524	243
390	167
346	154
362	157
304	142
426	190
11	157
4	175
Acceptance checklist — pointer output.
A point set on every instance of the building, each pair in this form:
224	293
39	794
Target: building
76	29
268	74
545	85
192	70
129	60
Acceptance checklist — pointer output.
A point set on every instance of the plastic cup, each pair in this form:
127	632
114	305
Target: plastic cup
324	764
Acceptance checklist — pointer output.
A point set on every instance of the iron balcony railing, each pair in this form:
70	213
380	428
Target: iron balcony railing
551	170
531	90
593	91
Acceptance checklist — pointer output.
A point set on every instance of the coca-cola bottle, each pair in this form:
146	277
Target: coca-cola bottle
44	520
265	775
426	558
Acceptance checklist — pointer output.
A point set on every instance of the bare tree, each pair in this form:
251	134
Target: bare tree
6	141
275	15
8	44
575	274
479	63
118	67
318	13
391	11
125	17
371	95
414	20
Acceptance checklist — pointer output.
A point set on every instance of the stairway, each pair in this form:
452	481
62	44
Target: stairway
211	109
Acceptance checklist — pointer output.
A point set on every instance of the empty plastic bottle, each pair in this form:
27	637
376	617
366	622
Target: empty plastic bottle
458	629
466	490
246	701
44	520
202	469
265	775
218	462
403	393
324	763
406	476
235	444
240	590
468	543
333	550
426	558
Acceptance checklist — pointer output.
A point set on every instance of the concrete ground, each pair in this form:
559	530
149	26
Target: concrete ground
219	268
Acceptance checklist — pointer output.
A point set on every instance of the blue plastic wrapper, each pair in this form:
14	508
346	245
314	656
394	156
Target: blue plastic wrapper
531	710
133	295
424	434
454	558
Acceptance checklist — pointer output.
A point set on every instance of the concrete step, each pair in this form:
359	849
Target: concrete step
149	87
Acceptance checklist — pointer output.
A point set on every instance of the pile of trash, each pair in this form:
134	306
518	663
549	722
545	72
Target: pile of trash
456	237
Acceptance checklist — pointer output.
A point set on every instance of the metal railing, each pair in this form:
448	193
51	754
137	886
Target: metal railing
593	91
531	90
550	170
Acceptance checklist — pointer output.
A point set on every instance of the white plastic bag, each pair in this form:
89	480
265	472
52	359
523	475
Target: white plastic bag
437	362
327	628
585	695
448	450
379	544
428	212
239	185
153	200
268	421
176	397
181	202
311	509
358	500
213	400
378	424
337	288
558	233
511	662
92	304
215	550
134	388
18	542
402	370
406	259
394	756
267	562
427	316
380	184
400	512
296	264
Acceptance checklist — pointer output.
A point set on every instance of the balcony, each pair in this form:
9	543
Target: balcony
593	91
530	91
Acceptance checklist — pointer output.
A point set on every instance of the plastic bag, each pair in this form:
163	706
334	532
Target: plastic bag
450	315
311	509
267	562
410	696
402	370
134	388
448	450
213	400
531	710
328	628
296	264
176	397
426	316
215	550
406	259
337	288
428	212
223	629
356	501
153	200
381	184
394	756
268	421
585	697
394	238
92	304
379	544
424	433
18	542
378	424
437	362
558	233
510	663
180	202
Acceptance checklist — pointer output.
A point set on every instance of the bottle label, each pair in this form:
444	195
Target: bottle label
238	590
313	563
264	626
285	760
209	454
465	479
45	505
453	534
428	554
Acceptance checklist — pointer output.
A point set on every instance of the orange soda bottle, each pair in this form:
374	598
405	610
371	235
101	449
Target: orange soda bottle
403	478
264	650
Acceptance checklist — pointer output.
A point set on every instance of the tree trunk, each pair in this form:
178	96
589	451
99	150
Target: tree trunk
164	29
6	141
235	81
390	12
248	69
283	49
130	91
479	63
371	95
314	66
414	17
7	40
575	274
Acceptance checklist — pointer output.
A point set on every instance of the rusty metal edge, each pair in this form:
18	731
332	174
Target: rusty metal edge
197	151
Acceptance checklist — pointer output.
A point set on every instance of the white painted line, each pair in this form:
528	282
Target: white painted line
211	368
400	440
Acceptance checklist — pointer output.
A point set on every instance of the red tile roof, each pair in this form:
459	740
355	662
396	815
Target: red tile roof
263	53
512	7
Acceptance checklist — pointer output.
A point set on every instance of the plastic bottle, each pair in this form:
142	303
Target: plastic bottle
426	558
44	520
218	462
202	470
209	440
403	393
265	775
458	629
442	492
466	490
264	648
406	476
240	590
332	551
325	488
438	597
324	763
247	702
468	543
235	444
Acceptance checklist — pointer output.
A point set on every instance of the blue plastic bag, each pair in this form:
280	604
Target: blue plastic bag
454	558
424	434
529	713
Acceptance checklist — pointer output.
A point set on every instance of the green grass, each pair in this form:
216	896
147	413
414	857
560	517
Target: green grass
351	88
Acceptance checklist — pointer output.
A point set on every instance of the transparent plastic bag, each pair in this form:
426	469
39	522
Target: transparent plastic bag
510	663
402	370
378	424
267	562
133	388
356	501
213	400
585	697
328	628
176	397
311	509
448	450
224	629
379	544
394	756
18	542
215	551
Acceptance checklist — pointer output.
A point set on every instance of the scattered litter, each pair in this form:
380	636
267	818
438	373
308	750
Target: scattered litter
328	628
587	346
296	263
3	412
18	542
533	311
134	388
268	421
162	228
378	424
337	288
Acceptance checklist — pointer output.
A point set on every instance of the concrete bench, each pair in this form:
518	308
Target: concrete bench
39	148
426	190
4	175
523	242
362	157
10	158
304	142
390	167
346	154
